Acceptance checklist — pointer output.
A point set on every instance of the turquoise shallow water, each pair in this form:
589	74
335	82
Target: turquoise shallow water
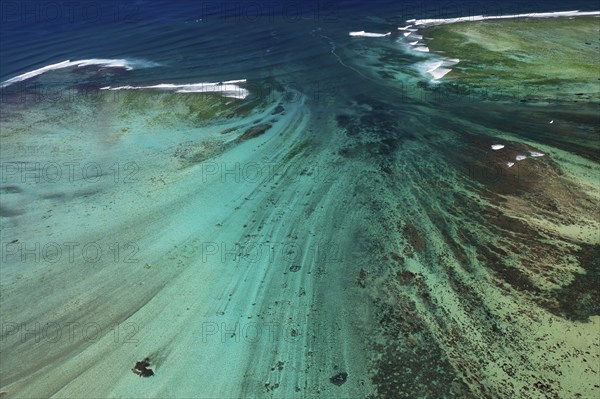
319	221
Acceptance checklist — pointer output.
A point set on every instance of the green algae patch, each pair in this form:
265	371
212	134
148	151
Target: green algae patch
163	108
555	59
170	107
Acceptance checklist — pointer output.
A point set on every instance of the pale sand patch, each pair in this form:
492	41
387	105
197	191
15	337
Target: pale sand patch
168	303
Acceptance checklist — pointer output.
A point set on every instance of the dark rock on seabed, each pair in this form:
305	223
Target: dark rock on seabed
254	131
141	368
339	379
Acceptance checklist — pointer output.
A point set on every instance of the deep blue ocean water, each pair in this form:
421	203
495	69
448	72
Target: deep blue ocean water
211	39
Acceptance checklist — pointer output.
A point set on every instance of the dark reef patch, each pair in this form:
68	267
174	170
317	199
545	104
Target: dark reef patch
254	131
375	127
142	368
414	237
411	359
581	299
339	379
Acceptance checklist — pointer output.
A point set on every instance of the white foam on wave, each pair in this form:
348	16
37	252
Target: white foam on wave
106	63
536	154
412	35
362	33
229	88
510	164
473	18
436	68
520	157
35	72
497	147
439	73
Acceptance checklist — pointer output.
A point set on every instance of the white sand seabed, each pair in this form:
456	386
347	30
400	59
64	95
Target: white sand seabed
179	303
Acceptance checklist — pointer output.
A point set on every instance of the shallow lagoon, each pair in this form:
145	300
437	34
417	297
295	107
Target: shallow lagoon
345	230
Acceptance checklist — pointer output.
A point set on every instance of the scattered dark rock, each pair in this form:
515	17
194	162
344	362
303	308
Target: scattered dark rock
255	131
345	152
405	277
397	257
294	268
343	120
231	129
385	75
271	387
362	275
12	190
414	237
580	299
278	110
6	212
141	368
541	386
294	332
339	378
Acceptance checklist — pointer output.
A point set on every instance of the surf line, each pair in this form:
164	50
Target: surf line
101	62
